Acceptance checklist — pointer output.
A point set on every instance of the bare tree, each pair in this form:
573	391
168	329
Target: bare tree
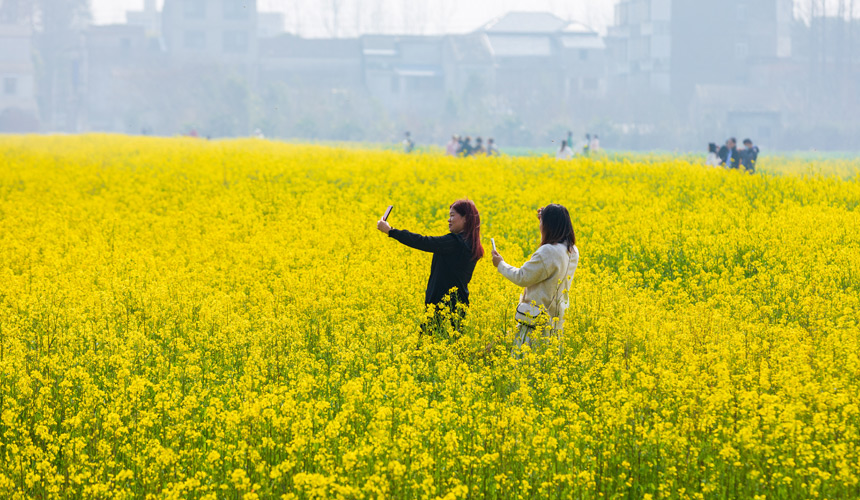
333	16
58	26
414	18
371	16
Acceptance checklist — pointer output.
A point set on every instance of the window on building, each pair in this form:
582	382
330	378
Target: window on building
10	86
235	41
195	40
236	9
194	9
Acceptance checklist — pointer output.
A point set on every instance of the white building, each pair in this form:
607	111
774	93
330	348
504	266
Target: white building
18	108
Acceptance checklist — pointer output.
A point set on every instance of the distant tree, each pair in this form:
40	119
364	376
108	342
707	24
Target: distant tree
58	27
211	100
334	16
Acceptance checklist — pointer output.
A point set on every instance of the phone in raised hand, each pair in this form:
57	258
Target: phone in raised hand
493	241
387	212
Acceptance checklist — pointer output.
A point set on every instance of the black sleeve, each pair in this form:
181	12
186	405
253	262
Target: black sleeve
434	244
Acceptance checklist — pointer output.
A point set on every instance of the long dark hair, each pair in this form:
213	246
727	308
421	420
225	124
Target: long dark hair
557	227
468	210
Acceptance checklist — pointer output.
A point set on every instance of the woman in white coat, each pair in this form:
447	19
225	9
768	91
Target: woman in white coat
547	275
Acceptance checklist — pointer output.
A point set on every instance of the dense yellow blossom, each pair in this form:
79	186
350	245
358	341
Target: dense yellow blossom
193	319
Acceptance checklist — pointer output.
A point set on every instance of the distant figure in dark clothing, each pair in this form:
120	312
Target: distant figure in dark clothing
454	258
467	149
479	147
723	154
733	157
749	156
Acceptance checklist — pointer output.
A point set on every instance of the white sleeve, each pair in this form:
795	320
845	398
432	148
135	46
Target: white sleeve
533	271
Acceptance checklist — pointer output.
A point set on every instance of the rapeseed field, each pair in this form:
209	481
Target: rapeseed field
190	319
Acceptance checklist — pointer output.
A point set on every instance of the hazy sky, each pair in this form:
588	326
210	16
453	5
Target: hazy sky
312	17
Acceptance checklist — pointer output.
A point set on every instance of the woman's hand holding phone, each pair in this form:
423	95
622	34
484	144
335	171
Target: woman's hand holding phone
382	225
497	258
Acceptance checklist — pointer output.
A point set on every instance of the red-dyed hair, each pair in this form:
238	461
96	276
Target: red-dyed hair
468	210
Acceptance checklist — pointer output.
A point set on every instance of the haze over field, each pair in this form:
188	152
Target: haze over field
311	18
641	74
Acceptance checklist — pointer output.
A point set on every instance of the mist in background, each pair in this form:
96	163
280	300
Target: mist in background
643	74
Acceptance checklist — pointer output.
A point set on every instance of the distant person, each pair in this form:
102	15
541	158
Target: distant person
749	156
564	152
258	134
586	149
408	143
479	147
453	146
454	258
492	149
732	159
546	277
713	159
466	149
594	146
723	153
570	137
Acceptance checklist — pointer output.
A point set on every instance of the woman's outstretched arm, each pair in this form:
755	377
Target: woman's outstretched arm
533	271
434	244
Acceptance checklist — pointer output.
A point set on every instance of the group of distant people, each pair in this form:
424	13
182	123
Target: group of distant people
462	146
729	156
459	146
565	152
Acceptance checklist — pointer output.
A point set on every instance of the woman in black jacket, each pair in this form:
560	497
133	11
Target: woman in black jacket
454	258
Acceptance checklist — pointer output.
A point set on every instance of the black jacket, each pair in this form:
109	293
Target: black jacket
749	158
735	161
452	263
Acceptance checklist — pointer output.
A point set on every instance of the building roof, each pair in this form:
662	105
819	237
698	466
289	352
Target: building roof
577	27
525	22
473	48
520	45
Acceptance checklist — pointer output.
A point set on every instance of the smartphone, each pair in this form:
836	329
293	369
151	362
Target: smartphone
493	240
387	212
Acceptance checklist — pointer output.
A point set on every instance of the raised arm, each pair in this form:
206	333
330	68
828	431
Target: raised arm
434	244
534	271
